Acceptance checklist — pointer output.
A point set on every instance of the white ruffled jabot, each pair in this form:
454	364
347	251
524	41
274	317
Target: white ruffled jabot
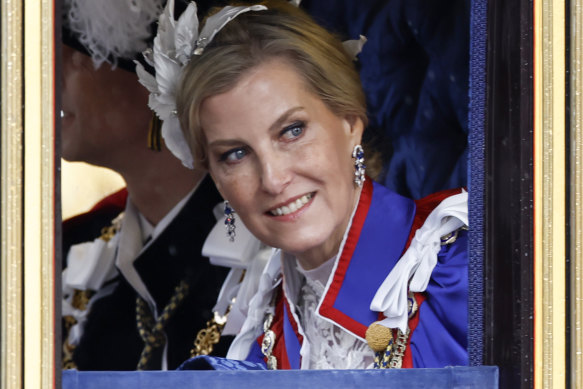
413	271
331	347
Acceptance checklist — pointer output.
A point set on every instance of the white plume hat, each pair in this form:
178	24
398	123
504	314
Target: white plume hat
110	30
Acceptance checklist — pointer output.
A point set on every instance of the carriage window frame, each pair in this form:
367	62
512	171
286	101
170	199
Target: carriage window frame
525	79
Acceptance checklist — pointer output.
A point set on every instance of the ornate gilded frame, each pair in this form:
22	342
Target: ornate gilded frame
549	198
27	195
27	166
11	197
576	193
558	184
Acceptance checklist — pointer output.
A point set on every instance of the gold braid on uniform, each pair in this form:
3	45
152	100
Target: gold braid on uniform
81	299
152	331
206	338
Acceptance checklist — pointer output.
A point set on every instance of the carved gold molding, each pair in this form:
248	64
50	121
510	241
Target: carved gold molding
576	215
27	200
550	217
11	342
27	214
39	157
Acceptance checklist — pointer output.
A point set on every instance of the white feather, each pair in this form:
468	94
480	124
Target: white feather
172	50
186	34
111	28
167	73
175	141
165	38
354	46
146	79
216	22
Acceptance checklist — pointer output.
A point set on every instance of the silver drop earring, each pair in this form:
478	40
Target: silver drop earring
359	166
230	221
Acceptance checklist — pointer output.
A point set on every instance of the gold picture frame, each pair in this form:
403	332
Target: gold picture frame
549	194
576	191
11	197
27	195
558	193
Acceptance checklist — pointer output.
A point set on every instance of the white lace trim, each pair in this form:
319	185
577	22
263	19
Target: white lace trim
331	347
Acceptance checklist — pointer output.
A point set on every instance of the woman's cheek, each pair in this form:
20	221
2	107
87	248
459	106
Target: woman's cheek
239	185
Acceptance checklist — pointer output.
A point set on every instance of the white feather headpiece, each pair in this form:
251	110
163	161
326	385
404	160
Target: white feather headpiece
177	41
174	45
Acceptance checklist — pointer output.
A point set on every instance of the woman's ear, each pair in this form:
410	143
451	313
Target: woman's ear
355	128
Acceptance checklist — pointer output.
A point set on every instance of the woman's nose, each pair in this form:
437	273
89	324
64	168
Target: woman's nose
276	174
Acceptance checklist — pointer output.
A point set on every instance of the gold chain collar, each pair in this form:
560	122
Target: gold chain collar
152	332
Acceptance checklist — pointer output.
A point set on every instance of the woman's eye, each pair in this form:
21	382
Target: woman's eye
234	155
293	131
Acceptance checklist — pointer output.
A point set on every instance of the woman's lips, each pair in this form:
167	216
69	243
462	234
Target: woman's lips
292	206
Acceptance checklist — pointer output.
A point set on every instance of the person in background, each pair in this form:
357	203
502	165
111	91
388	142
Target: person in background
136	288
361	277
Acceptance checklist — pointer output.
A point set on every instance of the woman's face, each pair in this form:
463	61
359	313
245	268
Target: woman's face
283	161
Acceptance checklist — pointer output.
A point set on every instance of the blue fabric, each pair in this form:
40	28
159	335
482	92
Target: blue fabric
440	339
484	377
386	230
423	70
205	362
255	354
476	186
292	343
414	71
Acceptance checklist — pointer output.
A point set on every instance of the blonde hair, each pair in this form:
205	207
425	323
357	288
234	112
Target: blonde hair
283	31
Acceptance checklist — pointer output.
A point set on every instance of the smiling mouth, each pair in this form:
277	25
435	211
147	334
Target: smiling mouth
292	206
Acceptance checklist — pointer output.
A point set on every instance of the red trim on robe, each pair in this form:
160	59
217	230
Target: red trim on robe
279	350
115	200
408	356
424	207
327	308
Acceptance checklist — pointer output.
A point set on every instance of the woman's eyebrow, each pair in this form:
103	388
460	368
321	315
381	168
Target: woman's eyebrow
275	126
283	117
224	142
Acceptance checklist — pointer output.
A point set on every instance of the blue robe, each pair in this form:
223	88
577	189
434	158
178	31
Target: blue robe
380	232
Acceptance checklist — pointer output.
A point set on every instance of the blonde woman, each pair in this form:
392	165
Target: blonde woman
271	104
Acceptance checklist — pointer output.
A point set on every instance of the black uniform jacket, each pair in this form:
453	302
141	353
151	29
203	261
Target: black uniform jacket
111	340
